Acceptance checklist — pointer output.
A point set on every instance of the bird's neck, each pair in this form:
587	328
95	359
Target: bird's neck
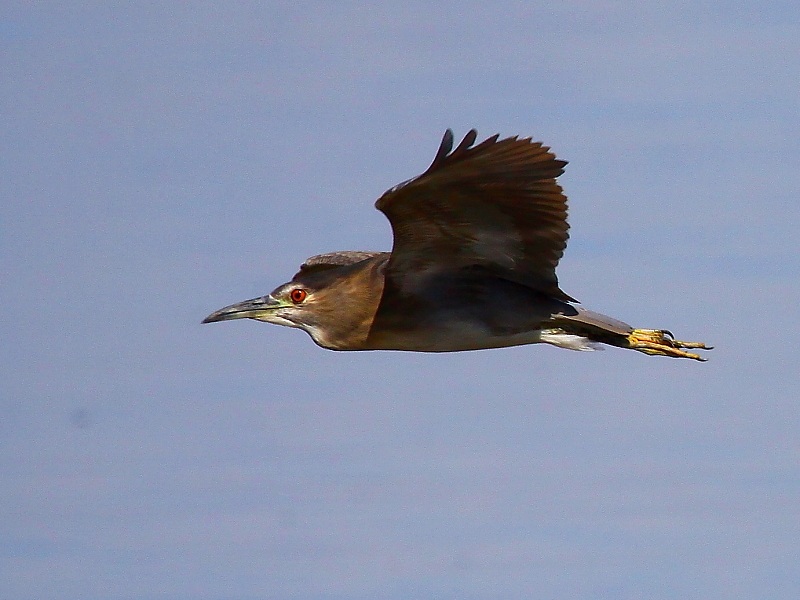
357	299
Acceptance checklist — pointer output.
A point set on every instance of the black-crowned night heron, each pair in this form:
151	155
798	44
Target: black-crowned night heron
477	238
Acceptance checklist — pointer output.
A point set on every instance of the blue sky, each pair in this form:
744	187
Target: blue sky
161	161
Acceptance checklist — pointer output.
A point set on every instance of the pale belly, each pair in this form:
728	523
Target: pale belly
474	337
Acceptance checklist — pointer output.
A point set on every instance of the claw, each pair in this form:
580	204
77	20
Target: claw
660	342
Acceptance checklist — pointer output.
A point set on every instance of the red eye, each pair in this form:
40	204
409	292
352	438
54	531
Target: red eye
297	295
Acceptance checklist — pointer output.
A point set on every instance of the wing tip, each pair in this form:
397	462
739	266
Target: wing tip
444	148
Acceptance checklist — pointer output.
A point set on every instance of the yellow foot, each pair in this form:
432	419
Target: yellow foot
661	342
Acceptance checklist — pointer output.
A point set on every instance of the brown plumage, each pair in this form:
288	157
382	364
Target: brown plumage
477	238
495	205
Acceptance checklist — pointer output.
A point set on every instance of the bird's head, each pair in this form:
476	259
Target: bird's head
286	305
293	304
334	304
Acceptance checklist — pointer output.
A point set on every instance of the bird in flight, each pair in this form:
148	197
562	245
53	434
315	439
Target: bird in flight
477	238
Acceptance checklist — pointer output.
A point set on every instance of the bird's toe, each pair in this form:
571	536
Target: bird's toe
659	342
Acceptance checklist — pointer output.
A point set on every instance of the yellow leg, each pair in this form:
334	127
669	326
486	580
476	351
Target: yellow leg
660	342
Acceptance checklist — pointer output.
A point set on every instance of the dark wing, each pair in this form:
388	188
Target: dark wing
495	207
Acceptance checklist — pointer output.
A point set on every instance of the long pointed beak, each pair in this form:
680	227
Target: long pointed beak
249	309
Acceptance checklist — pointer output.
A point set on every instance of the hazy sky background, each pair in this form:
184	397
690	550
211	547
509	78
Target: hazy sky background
161	160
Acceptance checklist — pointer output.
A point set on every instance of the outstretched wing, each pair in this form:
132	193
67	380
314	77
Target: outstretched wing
495	207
